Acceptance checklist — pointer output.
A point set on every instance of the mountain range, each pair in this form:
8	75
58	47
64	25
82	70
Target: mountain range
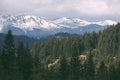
34	26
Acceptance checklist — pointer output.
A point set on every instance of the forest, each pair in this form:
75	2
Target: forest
92	56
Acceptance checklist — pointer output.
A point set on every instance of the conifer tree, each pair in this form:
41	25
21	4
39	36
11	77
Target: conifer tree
2	75
90	67
102	73
24	61
75	67
38	70
8	56
63	68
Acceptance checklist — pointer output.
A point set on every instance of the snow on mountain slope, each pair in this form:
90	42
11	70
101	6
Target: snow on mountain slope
81	22
70	23
106	22
27	22
36	26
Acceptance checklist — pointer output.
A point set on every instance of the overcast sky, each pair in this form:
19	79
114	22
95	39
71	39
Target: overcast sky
91	10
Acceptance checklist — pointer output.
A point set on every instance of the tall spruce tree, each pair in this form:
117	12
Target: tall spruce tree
75	67
90	67
8	56
20	59
63	68
24	61
38	70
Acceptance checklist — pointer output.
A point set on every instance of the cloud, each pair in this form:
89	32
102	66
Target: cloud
56	8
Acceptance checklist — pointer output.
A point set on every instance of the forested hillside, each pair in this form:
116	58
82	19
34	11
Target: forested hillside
21	38
66	45
92	56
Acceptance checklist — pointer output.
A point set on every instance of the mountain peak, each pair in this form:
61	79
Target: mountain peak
106	22
34	25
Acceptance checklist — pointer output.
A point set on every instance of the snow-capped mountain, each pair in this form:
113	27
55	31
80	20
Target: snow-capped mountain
27	22
106	22
36	26
70	23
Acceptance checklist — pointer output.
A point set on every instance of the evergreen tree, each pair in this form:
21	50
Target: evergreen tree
75	67
20	59
9	47
116	71
24	62
102	73
90	67
2	75
37	63
63	68
8	56
38	72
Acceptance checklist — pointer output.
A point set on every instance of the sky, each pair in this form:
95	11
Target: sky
92	10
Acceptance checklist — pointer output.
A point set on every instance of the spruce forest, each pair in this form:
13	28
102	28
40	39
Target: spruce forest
92	56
